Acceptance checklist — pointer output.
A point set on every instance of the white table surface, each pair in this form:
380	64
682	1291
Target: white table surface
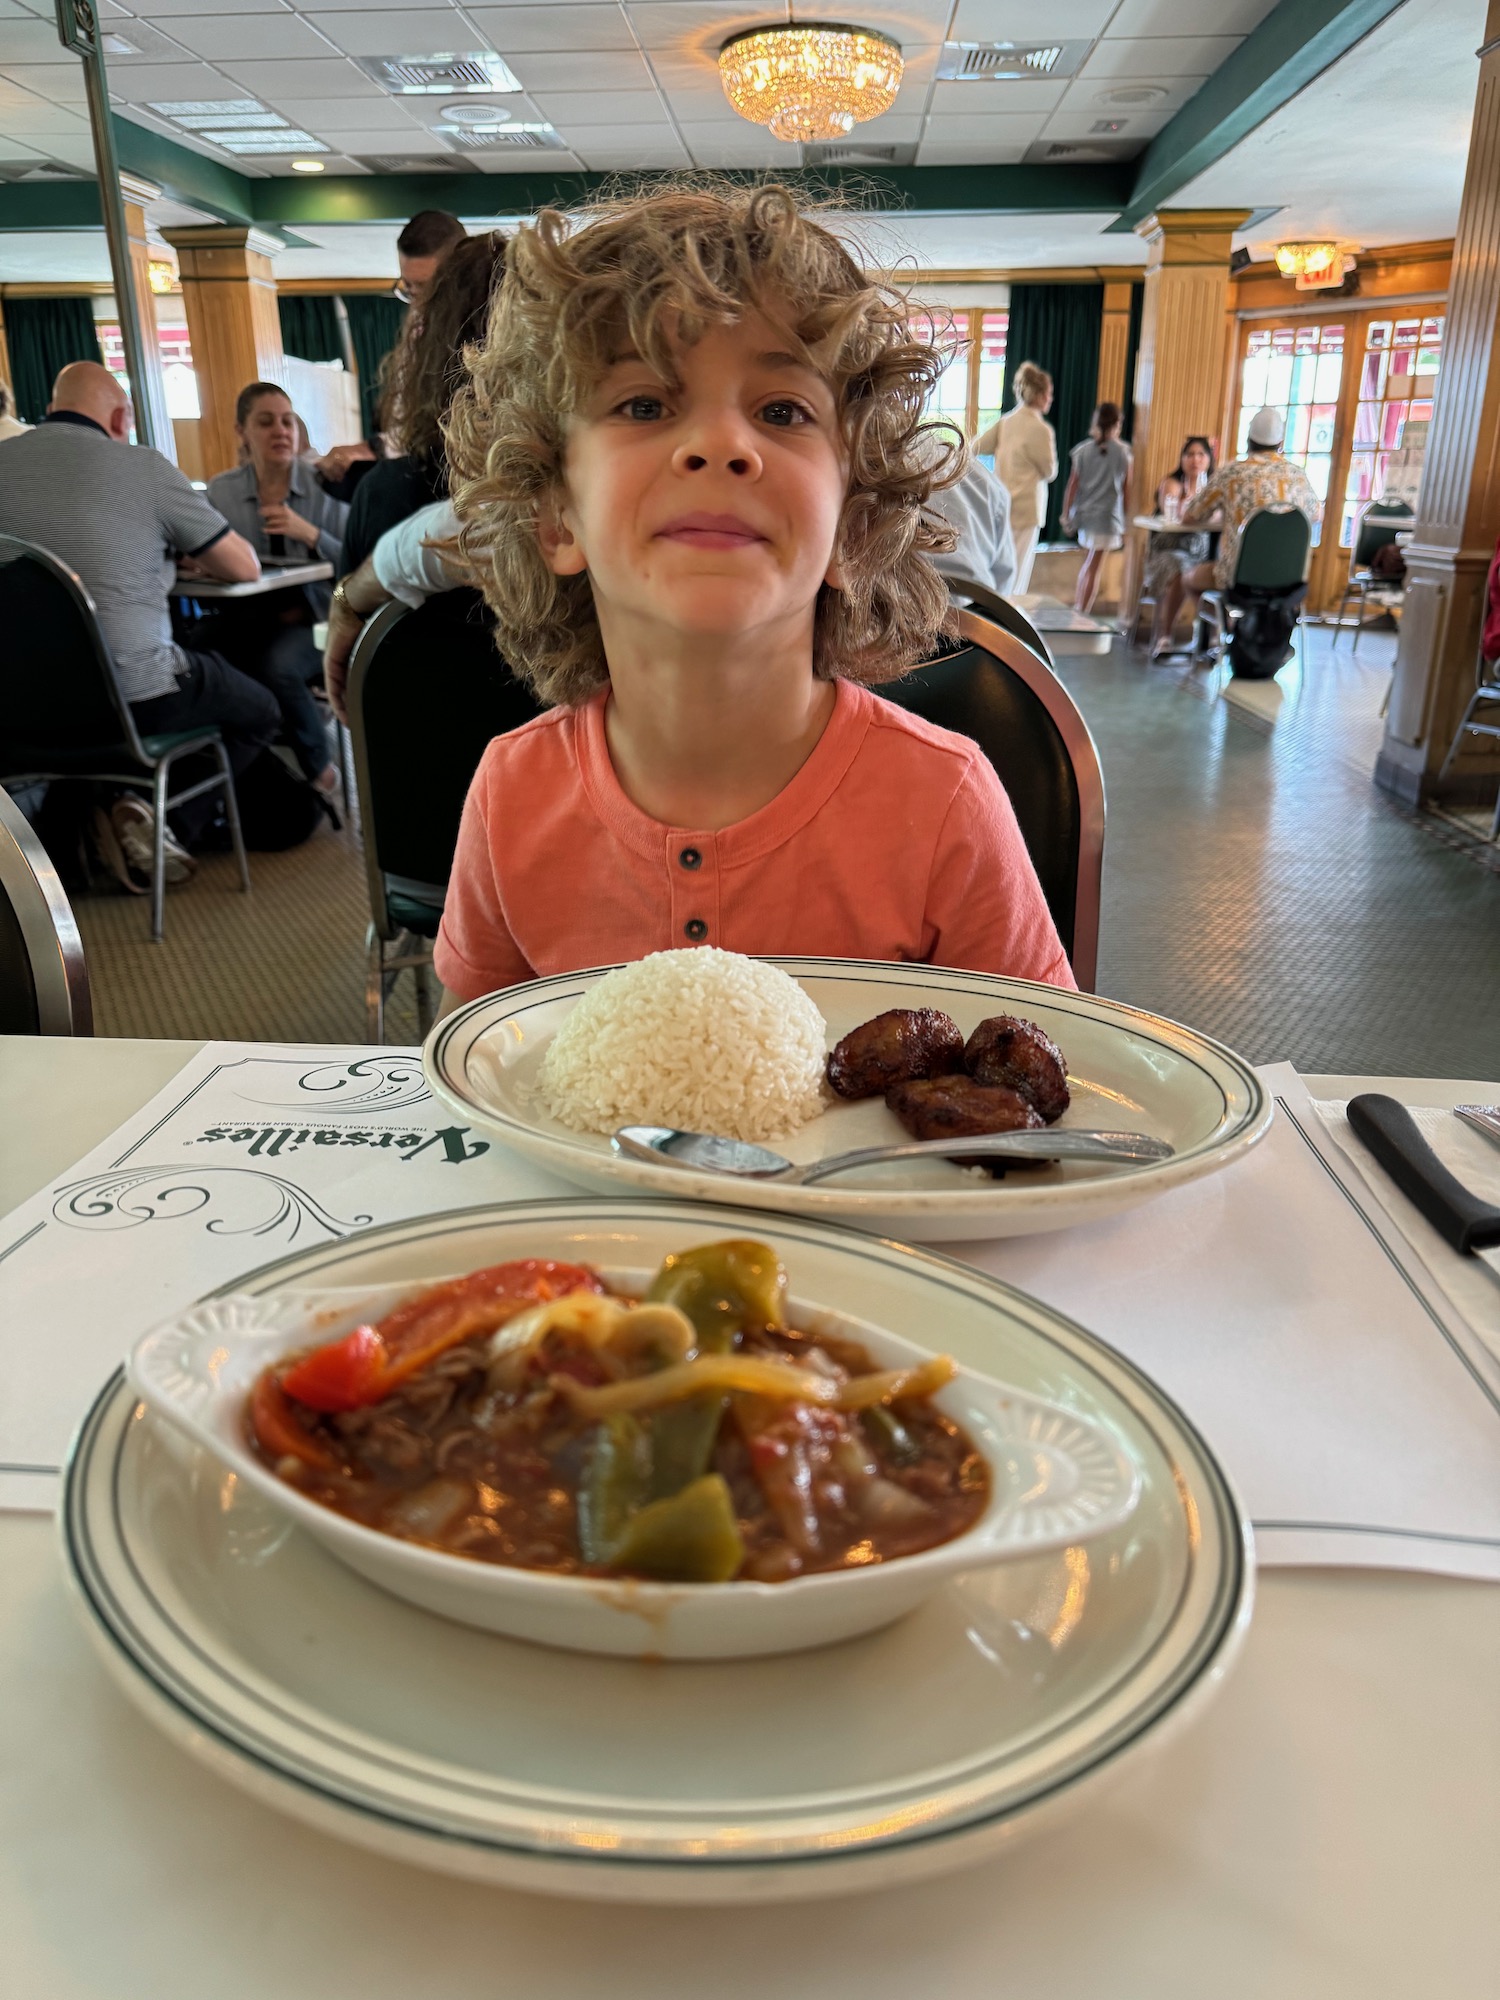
1158	524
1329	1829
269	579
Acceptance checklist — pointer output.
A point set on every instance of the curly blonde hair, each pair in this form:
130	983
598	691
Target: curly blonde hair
644	270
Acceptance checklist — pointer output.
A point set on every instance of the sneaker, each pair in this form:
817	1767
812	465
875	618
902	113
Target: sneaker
134	826
112	855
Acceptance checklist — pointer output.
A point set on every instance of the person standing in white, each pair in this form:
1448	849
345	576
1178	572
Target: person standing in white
1024	445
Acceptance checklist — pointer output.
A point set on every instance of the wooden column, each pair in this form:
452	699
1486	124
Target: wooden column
5	375
230	296
1458	509
1179	371
1114	342
152	391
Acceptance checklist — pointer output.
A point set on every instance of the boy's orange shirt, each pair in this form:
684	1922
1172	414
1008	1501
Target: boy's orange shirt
894	841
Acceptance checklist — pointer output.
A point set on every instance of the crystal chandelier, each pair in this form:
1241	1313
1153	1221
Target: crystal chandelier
1309	260
811	80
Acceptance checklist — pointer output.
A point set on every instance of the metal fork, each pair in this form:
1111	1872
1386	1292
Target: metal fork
1484	1118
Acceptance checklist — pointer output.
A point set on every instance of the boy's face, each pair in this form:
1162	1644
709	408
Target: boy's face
707	506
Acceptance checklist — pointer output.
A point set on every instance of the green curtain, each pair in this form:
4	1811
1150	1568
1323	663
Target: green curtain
44	335
374	328
310	327
1057	327
1132	352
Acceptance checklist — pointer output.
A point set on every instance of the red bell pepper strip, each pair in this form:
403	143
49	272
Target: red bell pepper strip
368	1364
280	1431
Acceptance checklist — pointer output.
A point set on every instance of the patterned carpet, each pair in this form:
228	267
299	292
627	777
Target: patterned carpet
1257	886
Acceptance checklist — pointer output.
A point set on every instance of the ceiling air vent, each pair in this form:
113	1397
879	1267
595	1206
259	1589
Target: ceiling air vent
1080	150
40	170
858	153
993	62
448	75
500	138
409	163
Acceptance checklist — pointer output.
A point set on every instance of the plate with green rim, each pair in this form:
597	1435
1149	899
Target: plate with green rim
1005	1701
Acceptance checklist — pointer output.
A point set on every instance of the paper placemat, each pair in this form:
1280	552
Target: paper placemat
1357	1415
1463	1281
252	1150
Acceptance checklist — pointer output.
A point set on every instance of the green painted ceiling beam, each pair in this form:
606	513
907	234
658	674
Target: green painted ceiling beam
1293	45
183	174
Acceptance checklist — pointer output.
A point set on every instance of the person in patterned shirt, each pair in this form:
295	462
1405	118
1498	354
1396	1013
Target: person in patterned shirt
1263	478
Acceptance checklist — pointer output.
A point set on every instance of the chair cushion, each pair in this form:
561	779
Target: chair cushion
408	914
175	739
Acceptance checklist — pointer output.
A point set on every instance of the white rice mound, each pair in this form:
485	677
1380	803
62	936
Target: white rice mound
705	1040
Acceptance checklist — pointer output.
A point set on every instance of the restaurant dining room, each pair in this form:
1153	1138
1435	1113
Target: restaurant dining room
749	999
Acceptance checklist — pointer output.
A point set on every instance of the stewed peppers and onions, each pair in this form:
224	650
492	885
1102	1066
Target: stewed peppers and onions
528	1415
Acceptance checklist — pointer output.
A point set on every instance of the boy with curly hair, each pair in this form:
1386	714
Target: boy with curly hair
690	470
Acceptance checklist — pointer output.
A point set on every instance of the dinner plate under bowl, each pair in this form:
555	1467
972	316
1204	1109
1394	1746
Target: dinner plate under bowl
1128	1070
1007	1699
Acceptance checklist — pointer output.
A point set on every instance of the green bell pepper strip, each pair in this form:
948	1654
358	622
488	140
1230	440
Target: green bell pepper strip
722	1288
616	1482
693	1537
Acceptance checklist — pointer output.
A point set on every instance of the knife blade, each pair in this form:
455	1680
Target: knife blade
1470	1225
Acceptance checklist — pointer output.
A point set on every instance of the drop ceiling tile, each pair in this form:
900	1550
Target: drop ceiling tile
1023	21
940	153
1080	124
897	127
999	95
59	83
389	33
1002	128
1161	56
1103	93
742	145
380	139
601	107
698	25
522	30
660	154
347	114
28	40
584	138
167	83
617	69
227	37
701	107
914	21
166	11
25	117
524	162
1181	17
328	77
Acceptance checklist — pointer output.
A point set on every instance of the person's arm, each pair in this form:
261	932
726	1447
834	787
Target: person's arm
228	559
988	442
985	907
1070	494
356	598
1206	502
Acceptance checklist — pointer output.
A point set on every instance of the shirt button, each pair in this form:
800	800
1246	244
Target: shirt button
690	858
696	929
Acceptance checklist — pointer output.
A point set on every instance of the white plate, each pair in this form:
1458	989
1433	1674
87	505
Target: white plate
1056	1479
1129	1071
1007	1698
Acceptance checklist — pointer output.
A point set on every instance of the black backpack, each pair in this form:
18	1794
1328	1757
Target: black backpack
278	807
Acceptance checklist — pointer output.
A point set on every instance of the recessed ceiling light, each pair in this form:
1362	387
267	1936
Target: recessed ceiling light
464	113
211	107
307	166
264	142
1126	94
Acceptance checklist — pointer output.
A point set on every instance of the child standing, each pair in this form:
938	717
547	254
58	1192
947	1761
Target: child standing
1095	502
691	471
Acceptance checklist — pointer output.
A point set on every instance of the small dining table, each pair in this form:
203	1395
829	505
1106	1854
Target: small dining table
273	577
1328	1828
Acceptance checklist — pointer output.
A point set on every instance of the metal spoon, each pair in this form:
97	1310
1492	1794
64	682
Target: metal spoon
665	1145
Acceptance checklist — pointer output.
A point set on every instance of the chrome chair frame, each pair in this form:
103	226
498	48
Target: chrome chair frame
49	930
159	767
1361	579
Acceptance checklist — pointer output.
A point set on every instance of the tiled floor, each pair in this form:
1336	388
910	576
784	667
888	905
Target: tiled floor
1256	886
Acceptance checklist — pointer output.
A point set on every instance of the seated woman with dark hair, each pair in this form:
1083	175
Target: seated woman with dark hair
1170	557
274	501
423	374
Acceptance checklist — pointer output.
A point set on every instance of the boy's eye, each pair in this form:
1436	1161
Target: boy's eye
785	413
642	409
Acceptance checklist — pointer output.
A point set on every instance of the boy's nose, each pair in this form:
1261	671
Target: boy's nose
724	444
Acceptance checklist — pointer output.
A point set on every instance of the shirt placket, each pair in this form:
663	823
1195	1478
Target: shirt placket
692	863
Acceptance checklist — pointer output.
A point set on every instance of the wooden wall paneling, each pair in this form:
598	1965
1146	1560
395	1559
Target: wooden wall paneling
1458	509
1114	342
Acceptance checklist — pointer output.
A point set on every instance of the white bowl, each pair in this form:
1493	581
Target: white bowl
1057	1479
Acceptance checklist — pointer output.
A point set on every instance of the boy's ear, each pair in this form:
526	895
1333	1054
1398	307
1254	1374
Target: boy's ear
561	549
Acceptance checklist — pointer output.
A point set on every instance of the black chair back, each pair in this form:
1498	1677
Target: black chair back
994	690
1379	525
58	691
427	692
44	984
1275	545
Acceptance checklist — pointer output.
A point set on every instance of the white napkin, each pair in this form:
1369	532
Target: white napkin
1475	1160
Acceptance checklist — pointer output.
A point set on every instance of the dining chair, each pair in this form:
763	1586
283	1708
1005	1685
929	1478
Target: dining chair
1379	524
991	687
62	714
44	982
1480	718
1271	561
1000	611
427	691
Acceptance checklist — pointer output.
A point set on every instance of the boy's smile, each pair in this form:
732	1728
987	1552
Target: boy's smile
706	507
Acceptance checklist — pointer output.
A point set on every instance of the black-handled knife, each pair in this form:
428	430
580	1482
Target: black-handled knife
1459	1217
